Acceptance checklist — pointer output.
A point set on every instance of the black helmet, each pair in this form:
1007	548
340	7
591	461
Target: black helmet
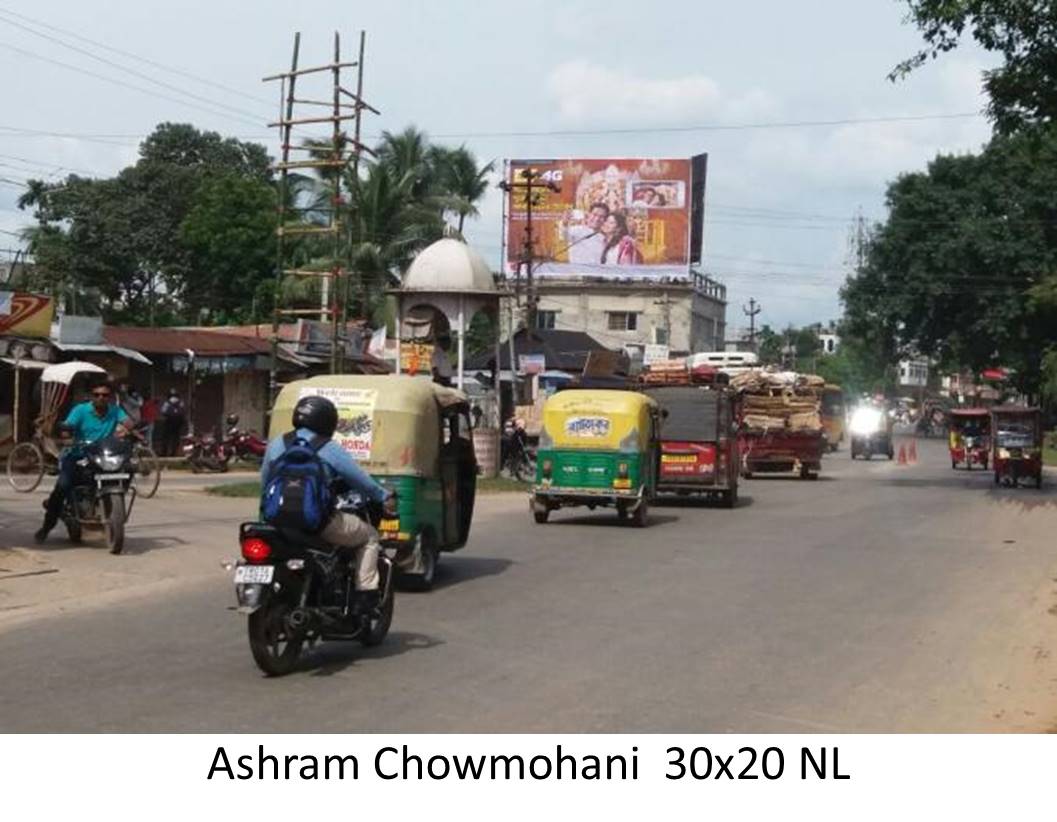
232	420
317	414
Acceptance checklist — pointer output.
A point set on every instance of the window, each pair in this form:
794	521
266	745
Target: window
546	320
660	336
623	321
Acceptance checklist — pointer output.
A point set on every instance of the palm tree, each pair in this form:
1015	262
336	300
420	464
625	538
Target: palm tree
408	153
463	183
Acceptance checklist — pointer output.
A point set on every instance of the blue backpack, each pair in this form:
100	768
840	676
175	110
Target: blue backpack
297	494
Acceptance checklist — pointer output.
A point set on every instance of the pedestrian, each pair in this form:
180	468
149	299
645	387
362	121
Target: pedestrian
174	417
149	416
131	402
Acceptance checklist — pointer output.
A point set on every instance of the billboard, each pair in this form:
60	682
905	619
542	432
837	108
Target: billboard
610	217
25	315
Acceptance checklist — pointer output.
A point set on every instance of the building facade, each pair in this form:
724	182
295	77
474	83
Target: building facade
687	315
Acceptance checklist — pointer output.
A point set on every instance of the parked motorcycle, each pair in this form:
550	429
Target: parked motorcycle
203	453
102	494
242	446
516	459
298	589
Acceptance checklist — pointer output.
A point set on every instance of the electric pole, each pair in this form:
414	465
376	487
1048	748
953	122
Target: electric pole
751	312
531	182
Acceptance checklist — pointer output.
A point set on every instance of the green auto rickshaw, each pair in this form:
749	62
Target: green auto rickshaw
597	448
414	437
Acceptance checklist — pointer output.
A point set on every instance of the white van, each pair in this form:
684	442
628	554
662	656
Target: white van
730	362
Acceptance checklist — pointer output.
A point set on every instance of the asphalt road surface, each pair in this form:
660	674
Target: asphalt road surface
879	598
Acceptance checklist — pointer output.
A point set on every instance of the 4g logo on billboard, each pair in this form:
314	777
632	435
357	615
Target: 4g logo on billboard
552	175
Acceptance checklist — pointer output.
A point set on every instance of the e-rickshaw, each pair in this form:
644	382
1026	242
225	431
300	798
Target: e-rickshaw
832	412
969	437
414	437
698	442
597	448
1016	451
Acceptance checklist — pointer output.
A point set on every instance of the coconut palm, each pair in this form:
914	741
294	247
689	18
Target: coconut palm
462	182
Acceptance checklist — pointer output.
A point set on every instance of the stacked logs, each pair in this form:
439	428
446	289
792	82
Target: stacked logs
774	400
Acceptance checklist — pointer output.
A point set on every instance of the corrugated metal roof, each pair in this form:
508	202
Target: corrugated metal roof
176	341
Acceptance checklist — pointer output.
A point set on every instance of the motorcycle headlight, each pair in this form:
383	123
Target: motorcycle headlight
865	421
1003	453
109	462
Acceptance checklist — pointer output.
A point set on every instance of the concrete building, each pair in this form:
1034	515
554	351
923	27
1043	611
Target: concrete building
686	314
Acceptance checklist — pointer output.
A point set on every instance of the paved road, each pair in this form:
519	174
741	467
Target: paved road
880	597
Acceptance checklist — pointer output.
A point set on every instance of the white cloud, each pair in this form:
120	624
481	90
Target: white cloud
586	92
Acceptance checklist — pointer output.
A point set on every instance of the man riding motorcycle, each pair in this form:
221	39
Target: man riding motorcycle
86	423
316	417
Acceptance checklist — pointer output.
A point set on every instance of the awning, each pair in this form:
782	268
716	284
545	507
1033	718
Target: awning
31	364
127	353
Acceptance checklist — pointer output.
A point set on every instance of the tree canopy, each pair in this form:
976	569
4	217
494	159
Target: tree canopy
187	233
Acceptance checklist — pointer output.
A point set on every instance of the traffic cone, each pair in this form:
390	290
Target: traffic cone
903	454
912	454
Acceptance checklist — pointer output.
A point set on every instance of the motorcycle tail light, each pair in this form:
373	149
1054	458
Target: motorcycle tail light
622	470
548	466
256	549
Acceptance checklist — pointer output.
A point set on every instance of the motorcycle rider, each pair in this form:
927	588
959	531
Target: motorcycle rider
92	420
317	416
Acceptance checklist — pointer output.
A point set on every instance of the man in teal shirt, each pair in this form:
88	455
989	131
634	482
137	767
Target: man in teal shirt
87	422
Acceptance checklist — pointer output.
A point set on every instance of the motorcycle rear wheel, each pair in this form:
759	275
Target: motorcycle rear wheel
275	649
378	625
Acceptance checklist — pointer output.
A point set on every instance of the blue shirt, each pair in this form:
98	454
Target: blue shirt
335	459
88	426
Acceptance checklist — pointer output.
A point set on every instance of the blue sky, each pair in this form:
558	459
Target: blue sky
779	200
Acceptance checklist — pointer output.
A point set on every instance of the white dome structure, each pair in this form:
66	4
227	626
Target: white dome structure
449	267
441	291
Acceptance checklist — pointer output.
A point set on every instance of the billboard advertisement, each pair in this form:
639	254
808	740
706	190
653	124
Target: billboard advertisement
25	315
610	217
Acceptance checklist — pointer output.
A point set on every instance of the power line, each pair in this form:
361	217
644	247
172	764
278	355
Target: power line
180	72
710	127
32	54
125	69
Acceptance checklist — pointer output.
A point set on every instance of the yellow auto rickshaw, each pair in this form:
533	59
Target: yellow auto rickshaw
414	437
597	448
833	415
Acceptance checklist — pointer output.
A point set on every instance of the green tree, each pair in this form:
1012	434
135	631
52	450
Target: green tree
1023	89
960	269
229	233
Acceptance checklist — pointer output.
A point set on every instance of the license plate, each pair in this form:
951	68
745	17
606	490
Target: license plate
389	525
678	458
103	477
254	574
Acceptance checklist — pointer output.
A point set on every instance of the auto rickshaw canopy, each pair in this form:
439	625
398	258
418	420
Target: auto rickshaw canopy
598	419
390	424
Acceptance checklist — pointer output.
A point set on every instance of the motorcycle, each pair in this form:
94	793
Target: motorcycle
204	453
242	446
297	589
515	457
102	484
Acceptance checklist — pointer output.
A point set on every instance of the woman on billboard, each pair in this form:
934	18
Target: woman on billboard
619	248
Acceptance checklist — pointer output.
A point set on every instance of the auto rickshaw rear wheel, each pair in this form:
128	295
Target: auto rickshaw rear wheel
427	546
638	519
541	516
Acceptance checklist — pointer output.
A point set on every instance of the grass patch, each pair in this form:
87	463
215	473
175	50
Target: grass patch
1049	448
501	485
251	488
485	485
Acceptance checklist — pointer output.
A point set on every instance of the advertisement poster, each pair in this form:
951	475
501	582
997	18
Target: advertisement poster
25	315
355	417
416	358
612	217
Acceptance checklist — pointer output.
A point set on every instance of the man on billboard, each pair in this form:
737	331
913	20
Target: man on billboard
585	241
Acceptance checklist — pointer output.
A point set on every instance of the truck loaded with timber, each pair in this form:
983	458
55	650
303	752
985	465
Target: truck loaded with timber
780	424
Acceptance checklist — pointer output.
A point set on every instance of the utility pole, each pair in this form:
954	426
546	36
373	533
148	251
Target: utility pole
666	310
530	183
751	312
